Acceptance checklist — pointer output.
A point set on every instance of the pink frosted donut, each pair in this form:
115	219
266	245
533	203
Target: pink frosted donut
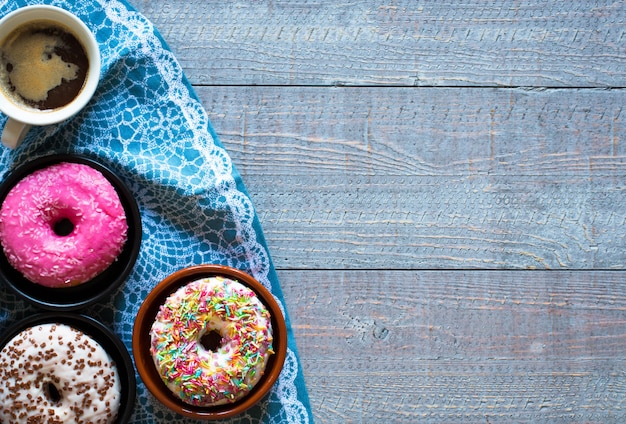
62	225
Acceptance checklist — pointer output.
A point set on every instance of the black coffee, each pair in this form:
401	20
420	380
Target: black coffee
43	65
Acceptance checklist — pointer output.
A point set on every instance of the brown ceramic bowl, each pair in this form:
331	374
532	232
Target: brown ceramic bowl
141	342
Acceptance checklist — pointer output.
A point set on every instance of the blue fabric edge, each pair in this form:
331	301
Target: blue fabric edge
272	276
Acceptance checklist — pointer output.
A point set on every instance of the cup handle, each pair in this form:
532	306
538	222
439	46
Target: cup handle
14	133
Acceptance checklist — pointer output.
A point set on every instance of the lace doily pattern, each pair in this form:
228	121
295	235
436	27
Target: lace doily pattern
146	123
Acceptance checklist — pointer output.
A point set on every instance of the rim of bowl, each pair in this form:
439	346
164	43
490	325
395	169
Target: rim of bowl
103	335
103	284
141	342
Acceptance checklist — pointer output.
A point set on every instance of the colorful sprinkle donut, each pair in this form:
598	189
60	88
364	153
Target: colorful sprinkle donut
203	375
62	225
54	373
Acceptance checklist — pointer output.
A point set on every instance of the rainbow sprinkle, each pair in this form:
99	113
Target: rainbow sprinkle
204	377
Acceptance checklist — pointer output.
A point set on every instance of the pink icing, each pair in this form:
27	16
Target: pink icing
67	191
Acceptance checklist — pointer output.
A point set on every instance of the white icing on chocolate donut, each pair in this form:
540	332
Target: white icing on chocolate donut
54	373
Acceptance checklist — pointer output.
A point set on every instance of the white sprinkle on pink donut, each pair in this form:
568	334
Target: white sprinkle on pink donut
70	195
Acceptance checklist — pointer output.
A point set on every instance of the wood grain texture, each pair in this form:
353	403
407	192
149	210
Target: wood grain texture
420	131
417	223
405	42
456	346
442	189
431	178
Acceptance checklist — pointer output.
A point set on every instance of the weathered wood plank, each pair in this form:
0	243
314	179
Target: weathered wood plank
431	178
421	43
456	346
435	131
417	178
442	222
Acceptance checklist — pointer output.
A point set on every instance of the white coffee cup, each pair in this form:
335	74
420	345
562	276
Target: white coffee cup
22	116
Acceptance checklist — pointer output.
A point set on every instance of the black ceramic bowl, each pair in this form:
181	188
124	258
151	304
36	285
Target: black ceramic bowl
105	337
76	297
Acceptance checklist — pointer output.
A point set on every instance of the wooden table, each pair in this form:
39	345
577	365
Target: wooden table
442	188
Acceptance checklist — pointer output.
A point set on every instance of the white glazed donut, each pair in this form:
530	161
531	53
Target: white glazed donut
53	373
226	372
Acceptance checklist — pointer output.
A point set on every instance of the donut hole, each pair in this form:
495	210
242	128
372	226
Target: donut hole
63	227
211	340
51	392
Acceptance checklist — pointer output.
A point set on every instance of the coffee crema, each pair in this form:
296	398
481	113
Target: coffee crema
42	65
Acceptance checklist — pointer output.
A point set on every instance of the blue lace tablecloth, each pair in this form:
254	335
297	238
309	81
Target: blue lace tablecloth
146	123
